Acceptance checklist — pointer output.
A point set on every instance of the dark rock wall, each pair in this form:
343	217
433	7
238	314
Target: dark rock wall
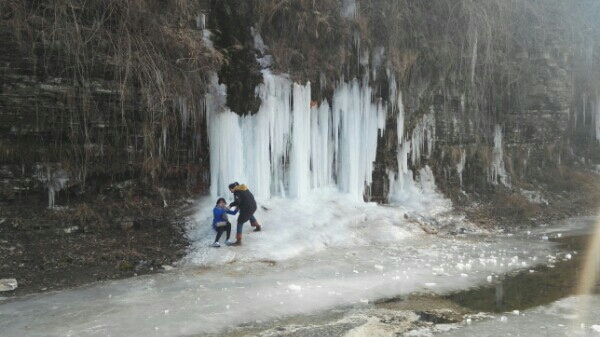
518	65
527	78
102	92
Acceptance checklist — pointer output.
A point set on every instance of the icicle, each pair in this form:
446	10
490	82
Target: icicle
396	179
282	189
584	104
461	166
381	118
275	94
357	46
349	9
498	172
301	136
474	61
264	60
378	59
359	122
423	135
402	185
256	164
252	149
201	21
394	93
322	82
400	119
226	152
51	196
164	140
182	106
206	39
54	179
597	118
294	145
321	146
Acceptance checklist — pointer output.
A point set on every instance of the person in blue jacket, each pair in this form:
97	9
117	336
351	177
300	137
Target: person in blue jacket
220	222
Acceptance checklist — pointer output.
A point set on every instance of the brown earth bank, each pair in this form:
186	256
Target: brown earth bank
52	249
133	233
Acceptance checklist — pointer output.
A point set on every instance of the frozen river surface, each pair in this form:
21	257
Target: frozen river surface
301	265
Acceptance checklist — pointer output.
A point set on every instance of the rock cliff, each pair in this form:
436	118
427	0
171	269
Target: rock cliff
107	91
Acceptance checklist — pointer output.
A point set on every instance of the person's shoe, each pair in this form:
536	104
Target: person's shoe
256	226
216	244
238	240
229	243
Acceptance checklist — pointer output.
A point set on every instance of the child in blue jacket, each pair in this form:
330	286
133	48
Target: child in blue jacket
220	222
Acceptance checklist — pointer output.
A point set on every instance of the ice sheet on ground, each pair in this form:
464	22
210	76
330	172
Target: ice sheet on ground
323	220
572	316
312	255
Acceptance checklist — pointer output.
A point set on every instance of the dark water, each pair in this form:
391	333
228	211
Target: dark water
524	289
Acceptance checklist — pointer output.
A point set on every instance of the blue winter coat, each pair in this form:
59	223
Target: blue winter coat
219	215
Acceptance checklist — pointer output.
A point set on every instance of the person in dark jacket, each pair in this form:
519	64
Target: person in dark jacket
244	200
220	222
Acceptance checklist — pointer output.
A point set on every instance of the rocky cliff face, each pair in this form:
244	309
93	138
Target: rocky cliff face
510	87
99	93
510	92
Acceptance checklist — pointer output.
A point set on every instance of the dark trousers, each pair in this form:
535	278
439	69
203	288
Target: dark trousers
244	216
220	231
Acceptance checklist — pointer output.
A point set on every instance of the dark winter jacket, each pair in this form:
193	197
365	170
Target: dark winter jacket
244	199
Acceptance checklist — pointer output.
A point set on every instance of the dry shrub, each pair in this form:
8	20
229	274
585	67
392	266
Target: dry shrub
85	216
561	179
402	61
513	206
484	155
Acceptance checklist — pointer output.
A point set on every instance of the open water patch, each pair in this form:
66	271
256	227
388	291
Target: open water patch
532	287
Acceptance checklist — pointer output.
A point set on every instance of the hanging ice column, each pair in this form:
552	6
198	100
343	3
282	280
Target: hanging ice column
461	166
597	117
253	149
224	139
497	171
291	145
359	122
301	142
397	180
276	121
322	145
402	183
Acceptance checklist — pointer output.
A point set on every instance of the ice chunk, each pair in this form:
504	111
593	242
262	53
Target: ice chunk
8	284
294	287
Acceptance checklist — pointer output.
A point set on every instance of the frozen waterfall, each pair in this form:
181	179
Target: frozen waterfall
294	145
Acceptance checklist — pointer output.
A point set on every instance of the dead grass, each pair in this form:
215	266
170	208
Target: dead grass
86	216
514	205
